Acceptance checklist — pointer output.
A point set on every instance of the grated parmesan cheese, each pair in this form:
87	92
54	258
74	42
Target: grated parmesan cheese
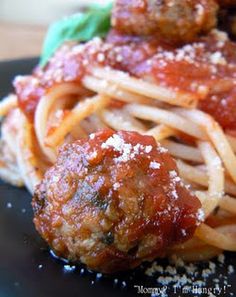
154	165
116	186
127	150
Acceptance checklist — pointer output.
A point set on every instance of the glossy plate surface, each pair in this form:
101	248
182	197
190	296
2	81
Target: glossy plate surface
27	268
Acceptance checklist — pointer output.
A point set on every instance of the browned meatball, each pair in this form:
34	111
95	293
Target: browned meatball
227	3
113	201
174	20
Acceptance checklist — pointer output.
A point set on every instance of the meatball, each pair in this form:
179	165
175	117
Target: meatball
174	20
227	3
113	201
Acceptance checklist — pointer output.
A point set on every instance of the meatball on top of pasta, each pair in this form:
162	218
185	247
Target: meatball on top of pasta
227	3
113	201
178	21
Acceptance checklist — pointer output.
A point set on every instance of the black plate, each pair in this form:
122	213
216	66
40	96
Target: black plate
27	269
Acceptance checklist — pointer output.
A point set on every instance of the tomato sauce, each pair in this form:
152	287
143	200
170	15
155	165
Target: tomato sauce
121	186
206	67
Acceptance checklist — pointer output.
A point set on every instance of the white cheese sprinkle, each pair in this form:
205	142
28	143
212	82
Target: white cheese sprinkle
217	58
127	150
200	215
162	150
148	149
155	165
116	186
92	136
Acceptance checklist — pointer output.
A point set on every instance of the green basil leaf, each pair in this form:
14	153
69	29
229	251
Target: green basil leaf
79	27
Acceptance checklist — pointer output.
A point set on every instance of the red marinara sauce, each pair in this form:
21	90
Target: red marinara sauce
222	107
206	68
113	201
63	67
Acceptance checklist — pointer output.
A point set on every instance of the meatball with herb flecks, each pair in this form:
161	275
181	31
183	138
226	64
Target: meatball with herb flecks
113	201
177	21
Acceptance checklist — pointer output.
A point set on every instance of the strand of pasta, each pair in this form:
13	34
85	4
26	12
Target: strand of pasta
226	202
215	177
161	132
92	124
166	117
11	175
82	110
189	244
232	141
9	130
119	120
144	88
216	135
7	104
96	121
112	90
28	163
214	238
195	175
9	170
182	151
229	204
43	110
202	253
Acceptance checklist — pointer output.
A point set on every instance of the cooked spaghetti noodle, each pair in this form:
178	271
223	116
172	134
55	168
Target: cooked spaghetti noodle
158	92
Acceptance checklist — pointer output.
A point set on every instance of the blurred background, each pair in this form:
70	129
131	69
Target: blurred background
23	23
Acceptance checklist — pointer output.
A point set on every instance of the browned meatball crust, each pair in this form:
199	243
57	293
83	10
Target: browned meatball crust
174	20
113	201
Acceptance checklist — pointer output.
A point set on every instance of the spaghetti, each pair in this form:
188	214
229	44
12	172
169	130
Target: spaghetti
159	91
